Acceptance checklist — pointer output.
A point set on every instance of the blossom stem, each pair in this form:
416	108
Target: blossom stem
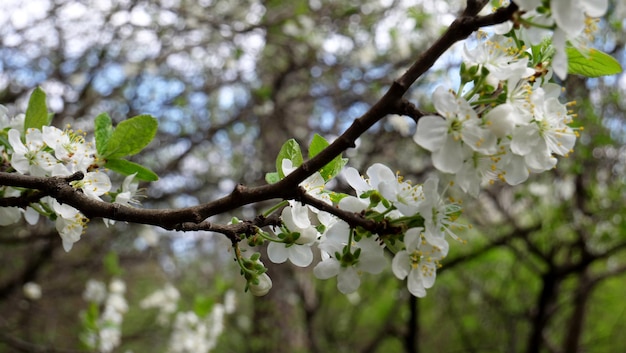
478	85
485	101
528	23
267	237
275	207
238	257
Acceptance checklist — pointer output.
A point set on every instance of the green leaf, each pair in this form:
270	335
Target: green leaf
335	197
272	178
36	112
112	264
202	305
331	169
125	167
592	63
291	151
90	316
318	143
130	136
103	132
4	141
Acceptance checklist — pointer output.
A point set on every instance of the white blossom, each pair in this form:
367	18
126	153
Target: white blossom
452	136
95	291
165	299
262	287
32	290
371	258
418	261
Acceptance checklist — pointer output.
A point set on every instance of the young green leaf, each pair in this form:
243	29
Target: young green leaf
125	167
272	178
90	316
335	197
202	305
291	151
130	136
333	167
112	264
103	132
318	143
36	113
592	63
4	141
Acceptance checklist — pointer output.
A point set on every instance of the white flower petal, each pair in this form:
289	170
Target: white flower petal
9	215
354	179
300	255
479	139
264	286
559	61
445	102
327	268
401	264
595	8
524	139
500	120
528	5
569	16
348	281
379	173
296	216
353	204
428	280
287	166
436	239
449	158
432	132
414	284
540	161
515	172
277	252
412	238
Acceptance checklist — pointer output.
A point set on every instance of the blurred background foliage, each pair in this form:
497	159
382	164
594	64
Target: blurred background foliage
230	81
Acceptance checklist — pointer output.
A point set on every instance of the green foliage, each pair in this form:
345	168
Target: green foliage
272	178
291	151
592	63
203	305
331	169
103	131
111	264
89	325
129	138
125	167
36	112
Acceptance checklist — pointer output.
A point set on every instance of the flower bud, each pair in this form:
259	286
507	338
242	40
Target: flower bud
263	286
32	291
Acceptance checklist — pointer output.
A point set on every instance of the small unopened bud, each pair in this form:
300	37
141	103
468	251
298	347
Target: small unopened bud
262	287
32	291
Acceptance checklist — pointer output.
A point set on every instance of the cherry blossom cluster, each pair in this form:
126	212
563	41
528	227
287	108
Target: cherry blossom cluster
504	122
47	152
560	21
418	218
191	331
103	320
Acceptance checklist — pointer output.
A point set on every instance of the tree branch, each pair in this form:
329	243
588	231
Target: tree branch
182	219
